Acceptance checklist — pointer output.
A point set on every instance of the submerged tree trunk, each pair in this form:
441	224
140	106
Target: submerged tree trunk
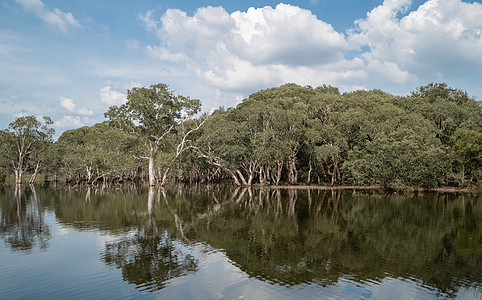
18	177
89	173
35	172
335	173
152	171
19	170
241	177
292	172
277	177
236	180
309	173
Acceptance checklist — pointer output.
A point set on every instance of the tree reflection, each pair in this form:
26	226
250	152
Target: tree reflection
149	257
303	236
288	236
22	224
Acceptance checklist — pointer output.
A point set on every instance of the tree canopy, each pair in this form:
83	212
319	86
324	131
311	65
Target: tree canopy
284	135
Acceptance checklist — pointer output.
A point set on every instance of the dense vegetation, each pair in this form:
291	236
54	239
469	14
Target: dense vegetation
290	134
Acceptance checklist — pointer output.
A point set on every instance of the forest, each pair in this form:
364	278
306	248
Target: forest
288	135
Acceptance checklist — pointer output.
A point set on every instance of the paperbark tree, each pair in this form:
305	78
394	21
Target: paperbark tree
25	138
152	114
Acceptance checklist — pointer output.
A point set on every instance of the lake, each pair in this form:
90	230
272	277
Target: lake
220	242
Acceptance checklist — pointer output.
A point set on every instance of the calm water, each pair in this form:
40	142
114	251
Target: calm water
223	243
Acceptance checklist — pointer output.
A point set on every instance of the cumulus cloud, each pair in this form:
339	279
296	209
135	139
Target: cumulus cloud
67	103
68	122
71	107
262	47
440	37
56	17
251	49
111	97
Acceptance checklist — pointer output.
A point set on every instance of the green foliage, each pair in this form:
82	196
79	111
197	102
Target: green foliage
397	160
24	143
283	134
440	91
96	151
150	112
364	137
467	147
152	115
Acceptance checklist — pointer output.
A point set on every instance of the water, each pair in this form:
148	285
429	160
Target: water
219	242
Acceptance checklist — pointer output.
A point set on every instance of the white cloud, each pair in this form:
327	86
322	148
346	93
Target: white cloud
56	18
441	37
247	50
111	97
67	103
71	107
68	122
148	20
85	112
263	47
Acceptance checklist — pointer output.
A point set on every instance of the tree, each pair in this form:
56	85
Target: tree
26	138
402	151
467	147
93	153
152	114
436	91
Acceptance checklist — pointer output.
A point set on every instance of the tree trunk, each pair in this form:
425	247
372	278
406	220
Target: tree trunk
152	171
163	180
236	180
292	172
19	170
241	177
89	173
18	177
35	172
277	177
309	173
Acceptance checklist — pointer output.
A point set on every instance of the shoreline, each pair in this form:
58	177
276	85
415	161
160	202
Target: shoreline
372	188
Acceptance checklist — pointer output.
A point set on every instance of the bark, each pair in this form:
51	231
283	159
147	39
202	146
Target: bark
152	171
34	175
18	169
89	173
250	168
18	177
241	177
236	180
292	172
309	173
277	177
335	173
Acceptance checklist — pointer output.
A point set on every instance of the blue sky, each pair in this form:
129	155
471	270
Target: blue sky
71	60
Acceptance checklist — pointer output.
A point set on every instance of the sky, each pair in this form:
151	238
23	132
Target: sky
73	59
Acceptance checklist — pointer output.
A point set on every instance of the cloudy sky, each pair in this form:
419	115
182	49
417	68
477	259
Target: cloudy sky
71	60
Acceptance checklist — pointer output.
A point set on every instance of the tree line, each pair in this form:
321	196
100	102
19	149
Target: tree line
285	135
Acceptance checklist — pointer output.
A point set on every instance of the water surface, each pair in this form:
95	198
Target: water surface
218	242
